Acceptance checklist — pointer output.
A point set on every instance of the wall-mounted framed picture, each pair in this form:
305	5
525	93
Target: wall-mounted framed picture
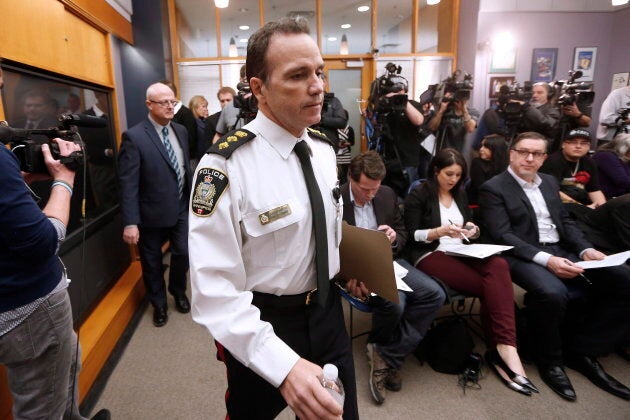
620	80
497	82
584	61
503	62
544	64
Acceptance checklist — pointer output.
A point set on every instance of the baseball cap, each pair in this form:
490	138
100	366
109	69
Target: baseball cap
578	133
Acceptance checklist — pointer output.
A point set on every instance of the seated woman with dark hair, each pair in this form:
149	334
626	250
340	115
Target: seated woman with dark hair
613	164
437	216
493	159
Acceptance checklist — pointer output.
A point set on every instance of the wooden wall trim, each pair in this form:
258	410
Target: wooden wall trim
100	332
102	15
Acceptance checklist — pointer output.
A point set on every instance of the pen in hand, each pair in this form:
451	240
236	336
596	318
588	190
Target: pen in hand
460	233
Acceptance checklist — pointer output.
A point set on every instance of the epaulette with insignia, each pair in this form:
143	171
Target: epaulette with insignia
227	144
319	135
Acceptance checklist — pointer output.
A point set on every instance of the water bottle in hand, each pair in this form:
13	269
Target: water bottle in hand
330	381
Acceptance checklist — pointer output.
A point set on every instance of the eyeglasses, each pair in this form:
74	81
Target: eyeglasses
165	103
525	154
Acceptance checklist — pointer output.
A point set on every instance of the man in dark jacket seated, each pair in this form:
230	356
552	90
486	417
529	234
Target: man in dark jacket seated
397	329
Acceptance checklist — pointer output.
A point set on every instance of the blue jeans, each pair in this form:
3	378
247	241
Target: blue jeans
41	359
397	329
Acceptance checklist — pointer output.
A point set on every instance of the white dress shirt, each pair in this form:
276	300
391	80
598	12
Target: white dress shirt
232	252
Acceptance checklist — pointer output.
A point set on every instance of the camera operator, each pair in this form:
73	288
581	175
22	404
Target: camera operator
452	122
403	124
540	115
232	117
333	116
37	342
614	116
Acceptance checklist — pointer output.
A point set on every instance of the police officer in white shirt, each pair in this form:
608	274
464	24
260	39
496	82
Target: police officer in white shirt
252	245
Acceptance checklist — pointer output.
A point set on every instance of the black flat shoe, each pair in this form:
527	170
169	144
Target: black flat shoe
182	304
492	358
519	379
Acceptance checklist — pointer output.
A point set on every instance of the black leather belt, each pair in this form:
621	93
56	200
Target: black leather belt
547	243
267	300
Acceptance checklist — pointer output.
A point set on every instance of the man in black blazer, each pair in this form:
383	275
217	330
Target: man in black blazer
154	170
397	329
522	208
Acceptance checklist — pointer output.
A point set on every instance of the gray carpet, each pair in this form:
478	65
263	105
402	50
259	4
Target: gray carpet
172	373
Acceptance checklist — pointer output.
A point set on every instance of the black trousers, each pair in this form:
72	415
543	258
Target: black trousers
150	248
316	334
600	324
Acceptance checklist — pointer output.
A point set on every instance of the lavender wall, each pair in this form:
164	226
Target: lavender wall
564	31
467	36
620	55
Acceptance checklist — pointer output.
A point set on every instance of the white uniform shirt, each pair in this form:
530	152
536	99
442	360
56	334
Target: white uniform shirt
250	242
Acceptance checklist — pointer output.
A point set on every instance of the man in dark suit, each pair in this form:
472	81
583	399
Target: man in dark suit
184	116
397	329
154	170
522	208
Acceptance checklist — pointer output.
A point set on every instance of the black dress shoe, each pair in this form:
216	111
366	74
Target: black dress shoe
182	304
495	361
590	367
160	316
555	377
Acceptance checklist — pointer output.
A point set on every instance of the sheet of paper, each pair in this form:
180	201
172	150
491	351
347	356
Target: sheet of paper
609	261
400	272
474	250
429	144
366	255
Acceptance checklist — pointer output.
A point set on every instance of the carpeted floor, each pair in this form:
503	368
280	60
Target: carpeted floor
172	373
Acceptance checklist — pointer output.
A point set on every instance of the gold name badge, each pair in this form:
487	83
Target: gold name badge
274	214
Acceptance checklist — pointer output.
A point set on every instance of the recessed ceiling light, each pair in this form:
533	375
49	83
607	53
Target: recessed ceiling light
243	40
243	27
243	9
332	38
346	26
363	8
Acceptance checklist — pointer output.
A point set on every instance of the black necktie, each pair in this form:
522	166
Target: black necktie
319	221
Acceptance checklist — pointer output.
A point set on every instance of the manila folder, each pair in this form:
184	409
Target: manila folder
366	255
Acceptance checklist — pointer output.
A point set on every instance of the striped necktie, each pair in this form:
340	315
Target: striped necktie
171	155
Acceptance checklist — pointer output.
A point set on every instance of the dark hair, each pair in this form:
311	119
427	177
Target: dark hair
256	63
445	158
169	84
529	135
368	163
225	89
499	148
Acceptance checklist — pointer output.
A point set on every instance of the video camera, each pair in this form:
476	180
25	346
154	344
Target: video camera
248	106
29	150
512	99
328	97
390	82
580	94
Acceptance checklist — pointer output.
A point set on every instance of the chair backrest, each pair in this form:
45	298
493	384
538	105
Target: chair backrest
415	183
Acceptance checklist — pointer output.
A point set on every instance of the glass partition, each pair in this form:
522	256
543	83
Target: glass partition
345	29
196	28
435	27
394	27
238	22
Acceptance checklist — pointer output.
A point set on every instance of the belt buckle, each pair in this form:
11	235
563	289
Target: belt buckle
309	296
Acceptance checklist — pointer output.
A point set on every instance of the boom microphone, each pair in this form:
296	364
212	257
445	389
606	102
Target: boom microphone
82	120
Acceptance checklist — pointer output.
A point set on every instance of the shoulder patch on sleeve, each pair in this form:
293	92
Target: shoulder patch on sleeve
209	186
227	144
319	135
